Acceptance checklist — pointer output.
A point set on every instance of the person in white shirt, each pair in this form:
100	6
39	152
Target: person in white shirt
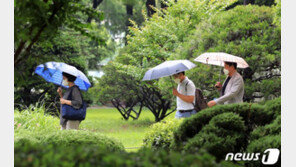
185	94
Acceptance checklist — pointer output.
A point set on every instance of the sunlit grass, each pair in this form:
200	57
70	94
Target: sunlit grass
110	123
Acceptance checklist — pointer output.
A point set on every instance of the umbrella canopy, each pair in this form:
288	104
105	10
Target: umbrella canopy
52	72
168	68
218	58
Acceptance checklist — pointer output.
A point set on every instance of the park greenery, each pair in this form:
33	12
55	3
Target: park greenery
140	129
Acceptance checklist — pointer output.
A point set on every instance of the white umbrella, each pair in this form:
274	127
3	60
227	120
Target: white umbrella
168	68
218	58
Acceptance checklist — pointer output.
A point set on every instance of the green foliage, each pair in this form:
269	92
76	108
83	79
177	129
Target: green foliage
252	114
160	134
151	44
224	134
34	119
68	47
263	143
230	128
38	20
274	106
245	31
115	15
35	126
55	31
273	128
277	9
71	138
28	154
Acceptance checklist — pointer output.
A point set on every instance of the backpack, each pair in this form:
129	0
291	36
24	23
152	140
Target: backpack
200	101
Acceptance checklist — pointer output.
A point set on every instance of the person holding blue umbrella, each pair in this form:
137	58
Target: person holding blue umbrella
71	97
73	109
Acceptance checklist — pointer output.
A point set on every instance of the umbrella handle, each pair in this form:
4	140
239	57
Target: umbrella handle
220	76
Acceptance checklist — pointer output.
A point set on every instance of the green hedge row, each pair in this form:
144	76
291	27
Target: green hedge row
29	154
260	145
69	138
225	133
231	128
221	130
252	115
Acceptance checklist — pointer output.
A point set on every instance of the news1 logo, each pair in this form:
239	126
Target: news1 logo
269	156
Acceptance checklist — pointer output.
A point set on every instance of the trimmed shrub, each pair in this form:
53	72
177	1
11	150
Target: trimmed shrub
271	129
274	106
261	144
35	155
225	133
253	115
71	138
160	134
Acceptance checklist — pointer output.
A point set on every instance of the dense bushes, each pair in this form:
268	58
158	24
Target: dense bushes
252	114
231	128
71	138
160	135
225	133
35	155
270	129
263	143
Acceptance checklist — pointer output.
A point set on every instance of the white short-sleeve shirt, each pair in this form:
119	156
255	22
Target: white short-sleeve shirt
182	105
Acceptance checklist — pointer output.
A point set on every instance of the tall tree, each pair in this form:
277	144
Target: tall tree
36	20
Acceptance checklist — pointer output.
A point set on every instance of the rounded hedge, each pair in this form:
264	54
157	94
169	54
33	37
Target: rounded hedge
225	133
228	128
252	114
71	138
273	128
263	143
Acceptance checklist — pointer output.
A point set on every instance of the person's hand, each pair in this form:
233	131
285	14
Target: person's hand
63	101
211	103
59	90
175	92
218	85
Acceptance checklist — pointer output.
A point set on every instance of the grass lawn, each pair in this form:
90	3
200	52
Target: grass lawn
110	123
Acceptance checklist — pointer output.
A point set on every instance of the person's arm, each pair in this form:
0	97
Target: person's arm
189	98
236	86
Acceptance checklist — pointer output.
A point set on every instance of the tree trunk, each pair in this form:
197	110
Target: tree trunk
129	12
150	11
96	3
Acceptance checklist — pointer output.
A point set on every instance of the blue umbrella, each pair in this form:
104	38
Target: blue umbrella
52	72
168	68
